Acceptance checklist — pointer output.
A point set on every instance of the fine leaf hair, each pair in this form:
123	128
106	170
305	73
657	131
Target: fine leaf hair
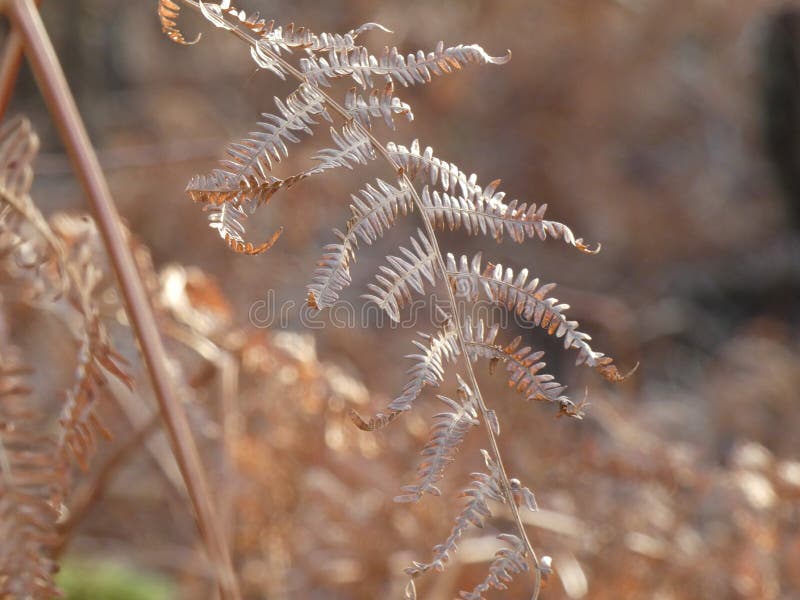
445	198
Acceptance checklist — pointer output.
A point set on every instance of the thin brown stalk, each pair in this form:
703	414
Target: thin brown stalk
57	95
10	63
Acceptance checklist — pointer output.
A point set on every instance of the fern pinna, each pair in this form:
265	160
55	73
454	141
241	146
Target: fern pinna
447	199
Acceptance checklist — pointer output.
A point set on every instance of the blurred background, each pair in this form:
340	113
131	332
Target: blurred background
668	131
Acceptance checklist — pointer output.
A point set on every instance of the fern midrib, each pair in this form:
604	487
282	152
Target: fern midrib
506	485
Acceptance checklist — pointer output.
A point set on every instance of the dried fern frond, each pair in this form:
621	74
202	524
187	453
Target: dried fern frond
524	367
379	104
523	364
507	563
483	490
253	158
420	68
449	200
352	148
168	13
29	481
227	220
530	300
219	187
373	212
69	273
283	38
448	433
477	210
428	368
406	274
80	425
292	36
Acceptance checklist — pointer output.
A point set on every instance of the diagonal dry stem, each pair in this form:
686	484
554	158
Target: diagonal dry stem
55	90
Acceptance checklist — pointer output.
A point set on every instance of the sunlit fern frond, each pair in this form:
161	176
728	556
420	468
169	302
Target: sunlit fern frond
483	490
405	274
477	210
379	104
507	563
523	365
435	351
219	187
168	11
531	301
279	38
30	481
227	220
418	68
374	211
352	148
448	433
244	177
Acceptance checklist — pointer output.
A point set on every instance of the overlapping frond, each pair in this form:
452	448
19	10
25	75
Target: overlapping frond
68	273
373	212
483	490
80	424
279	38
507	563
379	104
448	433
477	210
420	68
524	365
227	220
352	148
168	14
30	480
405	274
429	366
530	300
295	36
244	176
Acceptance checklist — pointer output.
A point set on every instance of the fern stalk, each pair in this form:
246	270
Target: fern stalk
247	37
55	89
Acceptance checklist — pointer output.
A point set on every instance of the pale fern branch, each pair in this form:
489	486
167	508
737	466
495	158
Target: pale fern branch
507	563
352	147
448	433
405	274
373	212
379	104
417	68
475	209
483	490
530	300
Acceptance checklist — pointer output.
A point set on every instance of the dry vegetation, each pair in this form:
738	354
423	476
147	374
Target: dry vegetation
638	122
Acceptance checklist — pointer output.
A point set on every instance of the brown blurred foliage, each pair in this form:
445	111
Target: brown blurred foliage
642	124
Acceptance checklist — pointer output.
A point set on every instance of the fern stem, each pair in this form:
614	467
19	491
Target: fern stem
429	228
54	87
